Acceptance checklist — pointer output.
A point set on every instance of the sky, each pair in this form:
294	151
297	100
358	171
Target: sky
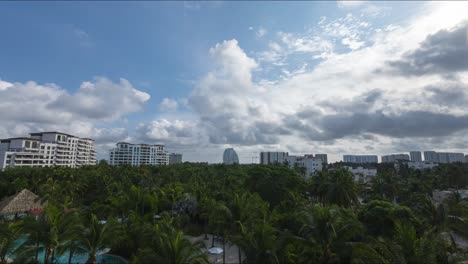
346	77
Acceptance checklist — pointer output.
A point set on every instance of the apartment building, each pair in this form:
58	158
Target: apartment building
360	158
175	158
309	162
395	157
323	157
415	156
272	157
138	154
47	149
443	157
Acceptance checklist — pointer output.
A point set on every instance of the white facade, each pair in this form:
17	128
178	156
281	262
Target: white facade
415	156
360	158
308	162
47	149
272	157
395	157
362	174
175	158
138	154
421	165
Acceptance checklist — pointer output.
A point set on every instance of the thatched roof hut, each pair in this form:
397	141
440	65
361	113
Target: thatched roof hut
24	201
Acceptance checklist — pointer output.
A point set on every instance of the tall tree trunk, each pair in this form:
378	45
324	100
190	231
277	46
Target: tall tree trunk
52	256
224	250
212	240
239	252
70	255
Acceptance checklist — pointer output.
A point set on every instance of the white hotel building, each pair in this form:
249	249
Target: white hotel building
47	149
138	154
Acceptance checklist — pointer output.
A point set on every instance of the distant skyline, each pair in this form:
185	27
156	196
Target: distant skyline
300	77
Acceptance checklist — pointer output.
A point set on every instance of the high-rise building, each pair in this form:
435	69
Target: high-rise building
449	157
272	157
443	157
138	154
395	157
230	156
466	158
415	156
323	157
360	158
430	156
175	158
308	162
47	149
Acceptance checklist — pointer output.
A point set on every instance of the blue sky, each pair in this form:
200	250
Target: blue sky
179	56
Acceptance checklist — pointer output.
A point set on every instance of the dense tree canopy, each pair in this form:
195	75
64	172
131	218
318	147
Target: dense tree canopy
272	213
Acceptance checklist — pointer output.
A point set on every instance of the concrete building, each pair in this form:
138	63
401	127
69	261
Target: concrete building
309	162
449	157
323	157
47	149
272	157
230	156
430	156
360	158
361	174
175	158
466	158
415	156
443	157
419	165
395	157
138	154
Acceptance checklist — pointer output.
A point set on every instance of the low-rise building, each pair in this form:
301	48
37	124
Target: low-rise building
421	165
310	163
138	154
363	175
47	149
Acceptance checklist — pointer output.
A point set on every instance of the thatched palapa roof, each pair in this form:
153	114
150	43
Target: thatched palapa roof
23	201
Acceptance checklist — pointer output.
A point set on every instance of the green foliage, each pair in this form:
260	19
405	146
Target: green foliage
271	212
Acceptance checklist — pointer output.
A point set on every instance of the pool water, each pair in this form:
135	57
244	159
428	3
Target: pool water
77	258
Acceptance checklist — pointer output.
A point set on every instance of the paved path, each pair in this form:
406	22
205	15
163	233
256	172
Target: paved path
232	255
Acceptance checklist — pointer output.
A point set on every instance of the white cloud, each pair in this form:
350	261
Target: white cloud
232	109
261	32
31	107
350	4
168	105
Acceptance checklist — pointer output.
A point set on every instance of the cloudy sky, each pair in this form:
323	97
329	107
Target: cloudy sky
304	77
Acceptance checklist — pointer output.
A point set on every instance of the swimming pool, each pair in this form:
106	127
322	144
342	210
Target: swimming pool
77	258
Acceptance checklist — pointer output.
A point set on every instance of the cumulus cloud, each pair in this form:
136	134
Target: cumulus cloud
261	32
31	107
443	52
339	101
168	105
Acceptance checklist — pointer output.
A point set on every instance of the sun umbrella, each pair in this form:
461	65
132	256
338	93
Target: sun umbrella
215	250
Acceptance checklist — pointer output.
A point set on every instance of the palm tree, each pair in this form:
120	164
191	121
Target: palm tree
170	246
71	236
96	236
259	243
9	233
36	233
336	187
329	229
